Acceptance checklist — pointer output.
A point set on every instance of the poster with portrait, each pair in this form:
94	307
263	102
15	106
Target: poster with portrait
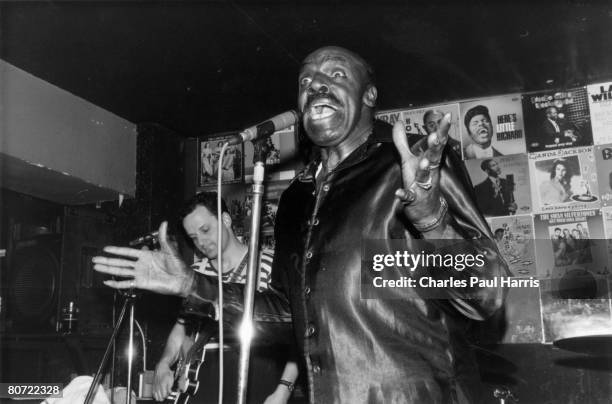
569	240
492	127
282	161
501	185
515	238
603	163
422	121
563	180
600	106
576	304
523	316
208	162
557	119
269	207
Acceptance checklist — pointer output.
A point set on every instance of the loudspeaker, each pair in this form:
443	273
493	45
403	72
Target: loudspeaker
85	232
34	283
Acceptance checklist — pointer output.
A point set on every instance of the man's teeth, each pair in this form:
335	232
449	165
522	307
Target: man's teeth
321	111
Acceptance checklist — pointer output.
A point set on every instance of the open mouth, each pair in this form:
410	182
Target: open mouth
321	109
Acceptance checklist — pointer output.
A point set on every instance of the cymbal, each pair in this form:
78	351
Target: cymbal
587	344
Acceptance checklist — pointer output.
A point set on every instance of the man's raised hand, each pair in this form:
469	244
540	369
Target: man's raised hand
421	173
160	271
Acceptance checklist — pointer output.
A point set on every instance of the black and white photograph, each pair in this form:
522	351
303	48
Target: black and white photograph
557	119
492	127
231	167
515	238
564	180
570	240
501	185
388	245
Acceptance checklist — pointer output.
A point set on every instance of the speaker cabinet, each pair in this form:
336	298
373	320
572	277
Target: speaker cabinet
34	283
86	231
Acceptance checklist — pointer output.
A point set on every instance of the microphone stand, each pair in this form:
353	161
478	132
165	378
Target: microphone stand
246	328
128	304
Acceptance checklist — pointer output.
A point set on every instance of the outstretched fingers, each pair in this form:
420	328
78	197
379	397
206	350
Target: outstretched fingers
113	270
125	284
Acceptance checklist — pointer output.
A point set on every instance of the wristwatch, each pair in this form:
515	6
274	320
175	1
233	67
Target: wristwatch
290	386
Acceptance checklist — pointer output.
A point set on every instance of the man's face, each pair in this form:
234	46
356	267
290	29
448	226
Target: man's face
481	130
201	226
332	84
551	113
432	121
494	169
579	227
557	233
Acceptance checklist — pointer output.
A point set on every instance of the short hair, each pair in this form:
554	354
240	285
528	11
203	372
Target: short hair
207	199
557	228
484	166
429	112
500	230
369	70
477	110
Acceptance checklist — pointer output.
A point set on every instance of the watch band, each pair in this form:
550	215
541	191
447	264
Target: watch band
290	386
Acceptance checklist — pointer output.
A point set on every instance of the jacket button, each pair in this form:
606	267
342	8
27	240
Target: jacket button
307	291
316	369
326	187
310	331
316	222
309	255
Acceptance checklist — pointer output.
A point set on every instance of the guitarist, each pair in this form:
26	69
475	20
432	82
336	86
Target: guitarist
199	219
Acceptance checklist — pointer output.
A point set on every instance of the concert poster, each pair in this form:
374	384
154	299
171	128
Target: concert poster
557	119
603	162
600	106
576	304
523	316
272	194
281	162
415	120
232	167
509	196
563	180
570	240
515	239
505	135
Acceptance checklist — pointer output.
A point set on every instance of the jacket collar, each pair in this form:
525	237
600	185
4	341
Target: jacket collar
381	133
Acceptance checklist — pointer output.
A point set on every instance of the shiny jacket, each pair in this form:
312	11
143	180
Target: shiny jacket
400	349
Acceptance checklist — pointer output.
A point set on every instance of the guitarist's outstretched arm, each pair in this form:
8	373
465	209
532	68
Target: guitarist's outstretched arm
165	272
164	376
272	314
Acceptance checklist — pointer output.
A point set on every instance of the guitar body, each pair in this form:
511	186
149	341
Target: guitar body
187	372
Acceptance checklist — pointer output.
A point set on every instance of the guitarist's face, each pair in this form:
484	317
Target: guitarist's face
201	226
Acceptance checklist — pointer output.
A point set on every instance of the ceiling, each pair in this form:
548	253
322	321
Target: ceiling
210	66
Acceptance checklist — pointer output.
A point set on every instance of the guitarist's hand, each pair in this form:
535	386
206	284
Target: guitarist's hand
164	378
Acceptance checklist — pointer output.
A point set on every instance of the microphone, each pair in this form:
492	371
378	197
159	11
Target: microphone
148	240
266	128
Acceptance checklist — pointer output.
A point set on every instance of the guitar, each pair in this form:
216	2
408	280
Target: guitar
187	371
